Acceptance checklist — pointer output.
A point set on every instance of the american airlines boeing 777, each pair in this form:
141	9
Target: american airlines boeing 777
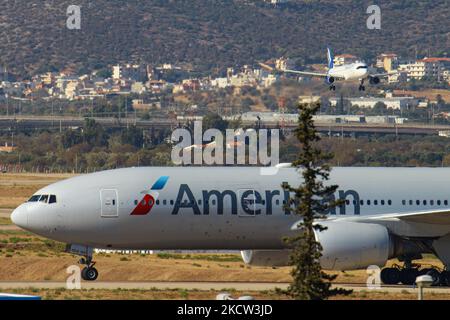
388	213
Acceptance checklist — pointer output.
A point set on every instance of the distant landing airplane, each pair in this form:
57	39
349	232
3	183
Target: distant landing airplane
347	72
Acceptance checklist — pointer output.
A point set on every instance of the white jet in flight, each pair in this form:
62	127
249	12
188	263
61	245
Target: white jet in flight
386	213
347	72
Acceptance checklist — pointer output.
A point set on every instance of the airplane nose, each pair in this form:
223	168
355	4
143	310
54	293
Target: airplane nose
20	217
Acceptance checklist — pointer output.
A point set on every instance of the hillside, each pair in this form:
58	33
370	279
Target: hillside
211	33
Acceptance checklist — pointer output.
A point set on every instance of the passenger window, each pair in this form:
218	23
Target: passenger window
445	202
417	202
368	202
164	202
375	202
199	202
213	202
277	202
432	202
361	202
171	202
403	202
347	202
424	202
44	198
410	202
135	202
390	202
52	199
157	202
382	202
439	202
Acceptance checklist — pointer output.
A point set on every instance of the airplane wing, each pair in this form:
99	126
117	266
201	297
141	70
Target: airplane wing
429	217
306	73
441	217
303	73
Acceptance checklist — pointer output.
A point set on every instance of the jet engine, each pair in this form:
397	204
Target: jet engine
266	258
374	80
347	246
330	80
350	245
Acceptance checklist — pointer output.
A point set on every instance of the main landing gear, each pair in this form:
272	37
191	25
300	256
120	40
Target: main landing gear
361	86
408	275
332	87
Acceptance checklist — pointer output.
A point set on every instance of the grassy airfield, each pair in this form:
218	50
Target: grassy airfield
27	257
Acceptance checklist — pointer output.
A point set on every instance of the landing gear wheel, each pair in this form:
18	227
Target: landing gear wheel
436	275
408	276
390	276
332	88
362	88
89	274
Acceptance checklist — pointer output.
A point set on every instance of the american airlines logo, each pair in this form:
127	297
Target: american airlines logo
146	204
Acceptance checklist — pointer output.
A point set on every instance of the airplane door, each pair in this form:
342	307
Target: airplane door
249	204
109	203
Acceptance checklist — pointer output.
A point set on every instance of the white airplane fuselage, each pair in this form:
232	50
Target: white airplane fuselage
218	207
350	72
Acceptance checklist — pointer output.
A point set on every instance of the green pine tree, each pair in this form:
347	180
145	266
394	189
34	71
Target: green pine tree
310	201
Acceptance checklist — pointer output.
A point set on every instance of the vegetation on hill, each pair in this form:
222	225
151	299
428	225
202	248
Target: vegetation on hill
211	34
93	148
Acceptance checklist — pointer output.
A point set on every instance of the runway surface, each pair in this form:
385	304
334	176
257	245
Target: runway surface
205	286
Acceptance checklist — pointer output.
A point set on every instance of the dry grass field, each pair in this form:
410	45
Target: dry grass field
17	188
181	294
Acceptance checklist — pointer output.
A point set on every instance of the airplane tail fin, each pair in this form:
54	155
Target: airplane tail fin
330	58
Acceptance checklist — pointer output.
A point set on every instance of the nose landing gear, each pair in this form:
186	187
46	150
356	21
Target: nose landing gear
89	273
361	86
332	87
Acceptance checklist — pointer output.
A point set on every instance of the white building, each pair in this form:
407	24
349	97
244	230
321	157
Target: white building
342	59
134	72
138	87
370	102
387	61
220	82
432	68
284	64
276	1
308	99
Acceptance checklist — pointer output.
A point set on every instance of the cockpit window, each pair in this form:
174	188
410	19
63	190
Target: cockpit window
44	198
52	199
34	198
362	67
